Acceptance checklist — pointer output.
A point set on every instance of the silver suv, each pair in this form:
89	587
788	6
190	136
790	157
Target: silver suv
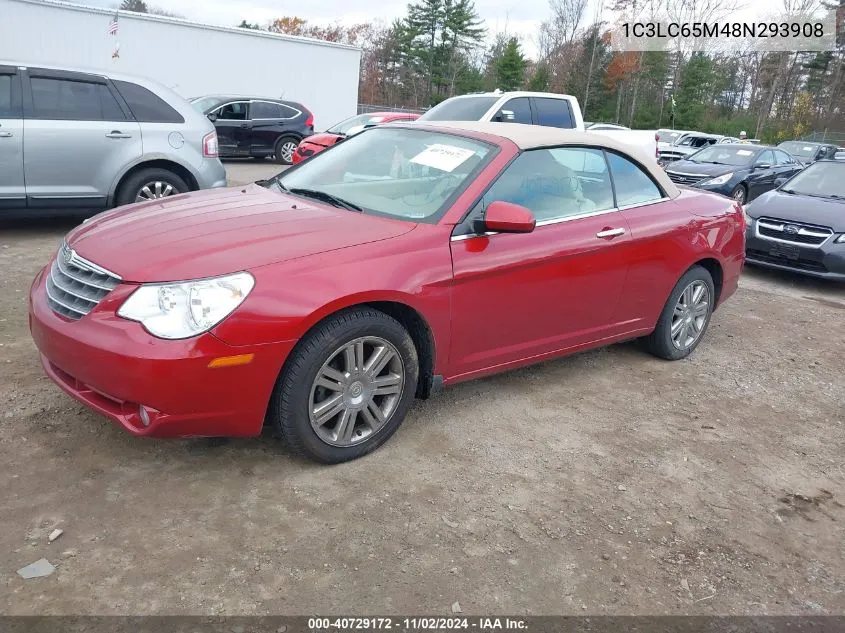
86	141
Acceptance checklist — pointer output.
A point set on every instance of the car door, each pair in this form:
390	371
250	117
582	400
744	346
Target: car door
233	129
77	138
12	189
763	174
785	167
553	112
266	118
517	296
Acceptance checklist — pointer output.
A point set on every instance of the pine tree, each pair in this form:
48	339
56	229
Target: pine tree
510	69
539	81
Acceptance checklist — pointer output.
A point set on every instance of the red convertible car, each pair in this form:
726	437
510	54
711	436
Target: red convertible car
318	142
407	258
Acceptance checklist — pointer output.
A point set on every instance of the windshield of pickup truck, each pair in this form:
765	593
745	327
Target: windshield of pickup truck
460	109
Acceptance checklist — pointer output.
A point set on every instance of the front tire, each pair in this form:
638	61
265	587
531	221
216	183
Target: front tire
284	149
150	184
685	316
739	194
346	387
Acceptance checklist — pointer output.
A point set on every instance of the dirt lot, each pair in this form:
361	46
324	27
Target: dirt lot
605	483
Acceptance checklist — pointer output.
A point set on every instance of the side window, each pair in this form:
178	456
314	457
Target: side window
517	111
766	158
6	109
147	106
265	110
288	112
553	112
556	183
233	111
633	186
64	99
783	158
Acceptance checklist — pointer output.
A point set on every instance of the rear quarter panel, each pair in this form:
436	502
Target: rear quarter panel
673	236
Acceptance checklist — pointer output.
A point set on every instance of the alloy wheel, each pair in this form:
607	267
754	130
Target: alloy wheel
155	190
356	391
690	315
287	149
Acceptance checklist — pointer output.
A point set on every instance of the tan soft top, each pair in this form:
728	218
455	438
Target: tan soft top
533	136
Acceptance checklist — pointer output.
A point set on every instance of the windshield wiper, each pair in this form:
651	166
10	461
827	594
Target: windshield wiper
324	196
790	191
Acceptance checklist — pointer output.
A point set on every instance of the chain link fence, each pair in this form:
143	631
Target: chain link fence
364	108
836	138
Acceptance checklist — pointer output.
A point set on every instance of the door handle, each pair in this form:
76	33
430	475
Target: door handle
117	134
606	233
5	134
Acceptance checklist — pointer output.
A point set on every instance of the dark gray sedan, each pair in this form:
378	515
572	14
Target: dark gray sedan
800	226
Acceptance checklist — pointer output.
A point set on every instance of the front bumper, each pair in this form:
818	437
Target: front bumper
306	149
114	367
825	262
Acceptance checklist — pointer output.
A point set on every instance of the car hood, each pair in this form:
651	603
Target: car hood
701	169
220	231
324	139
785	206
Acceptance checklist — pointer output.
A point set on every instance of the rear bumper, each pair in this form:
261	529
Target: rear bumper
825	262
113	366
211	174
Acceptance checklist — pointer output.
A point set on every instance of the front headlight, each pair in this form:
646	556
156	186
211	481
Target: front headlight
182	310
718	180
841	239
749	221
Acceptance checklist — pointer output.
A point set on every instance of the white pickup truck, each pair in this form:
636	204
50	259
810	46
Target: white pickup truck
532	108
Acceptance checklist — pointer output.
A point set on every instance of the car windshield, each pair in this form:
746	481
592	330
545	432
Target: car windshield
395	172
202	104
798	149
460	109
723	155
822	179
361	121
667	136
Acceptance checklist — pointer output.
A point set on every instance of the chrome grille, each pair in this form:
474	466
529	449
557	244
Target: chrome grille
684	179
75	285
793	232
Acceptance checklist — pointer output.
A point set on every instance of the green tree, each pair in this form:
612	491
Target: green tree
694	86
138	6
539	81
510	69
246	25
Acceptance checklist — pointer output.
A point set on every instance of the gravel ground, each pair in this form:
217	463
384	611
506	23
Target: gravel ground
606	483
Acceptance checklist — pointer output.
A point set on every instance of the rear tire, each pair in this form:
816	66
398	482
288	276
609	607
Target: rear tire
685	317
326	373
284	149
150	184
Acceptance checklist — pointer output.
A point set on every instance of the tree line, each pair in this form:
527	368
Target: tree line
441	48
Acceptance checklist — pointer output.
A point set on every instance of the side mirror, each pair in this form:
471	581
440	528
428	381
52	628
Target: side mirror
212	117
506	217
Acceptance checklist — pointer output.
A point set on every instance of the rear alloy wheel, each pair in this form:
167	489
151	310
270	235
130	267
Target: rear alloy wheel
150	184
346	386
685	316
285	147
739	194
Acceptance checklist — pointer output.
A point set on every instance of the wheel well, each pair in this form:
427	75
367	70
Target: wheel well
420	333
176	168
715	269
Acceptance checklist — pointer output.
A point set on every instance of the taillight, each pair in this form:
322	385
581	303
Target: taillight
656	146
309	122
209	145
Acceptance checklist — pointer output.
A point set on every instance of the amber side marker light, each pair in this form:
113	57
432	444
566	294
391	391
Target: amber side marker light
231	361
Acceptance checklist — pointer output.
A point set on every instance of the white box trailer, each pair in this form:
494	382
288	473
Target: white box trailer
192	59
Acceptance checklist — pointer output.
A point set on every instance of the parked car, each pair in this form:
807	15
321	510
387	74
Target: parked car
324	304
257	127
666	137
808	152
839	155
800	226
686	145
81	142
533	108
741	171
318	142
